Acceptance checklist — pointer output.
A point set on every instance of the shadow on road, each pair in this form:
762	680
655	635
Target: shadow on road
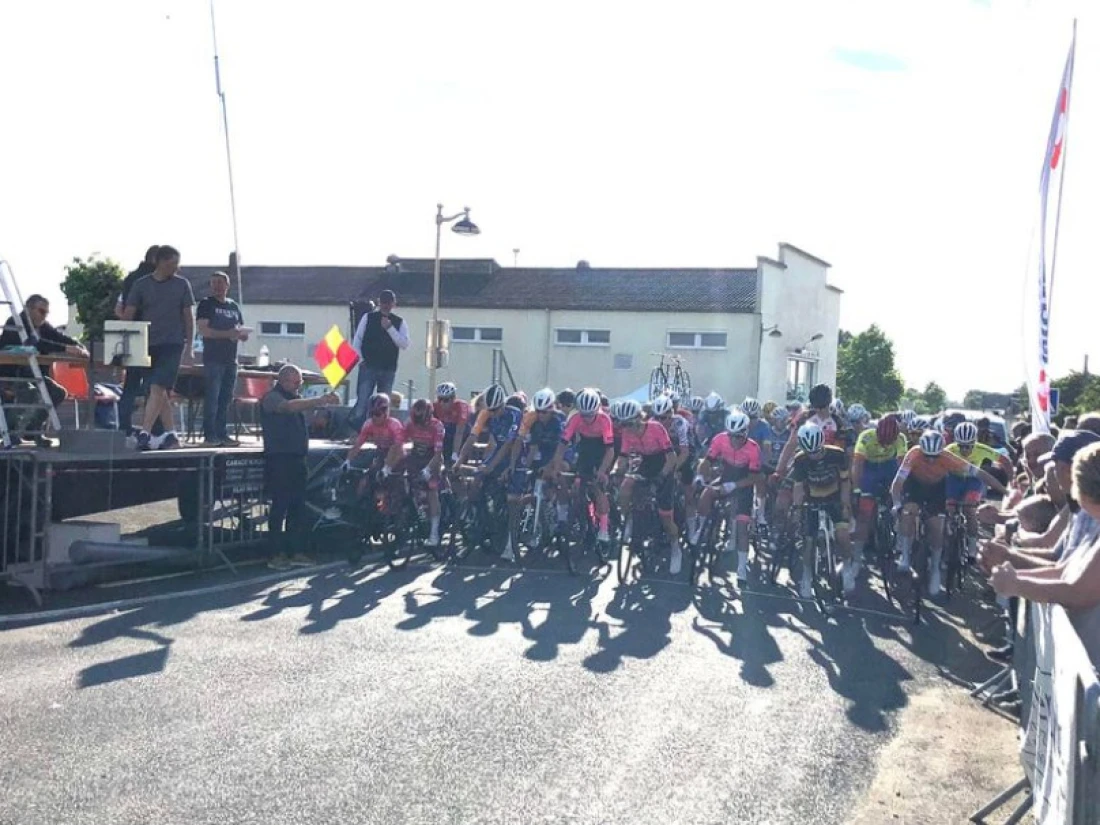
644	612
742	634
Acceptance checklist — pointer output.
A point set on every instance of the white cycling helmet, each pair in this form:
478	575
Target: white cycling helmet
837	407
920	423
446	390
857	414
780	416
544	399
906	418
697	403
966	433
713	402
661	405
588	401
675	396
494	397
931	443
811	438
629	410
615	410
737	423
750	407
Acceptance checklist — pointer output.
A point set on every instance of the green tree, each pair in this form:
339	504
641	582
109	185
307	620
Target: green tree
92	285
935	397
913	399
974	400
865	370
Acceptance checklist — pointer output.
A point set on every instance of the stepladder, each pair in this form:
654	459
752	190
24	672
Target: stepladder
18	391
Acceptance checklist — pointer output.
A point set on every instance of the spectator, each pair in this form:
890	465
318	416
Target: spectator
379	337
1074	583
1070	422
286	445
133	385
1090	421
164	299
48	341
219	319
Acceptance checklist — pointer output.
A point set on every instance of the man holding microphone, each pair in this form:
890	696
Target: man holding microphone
379	338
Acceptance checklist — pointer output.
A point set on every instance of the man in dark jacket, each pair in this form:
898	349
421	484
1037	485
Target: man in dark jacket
134	384
379	338
38	332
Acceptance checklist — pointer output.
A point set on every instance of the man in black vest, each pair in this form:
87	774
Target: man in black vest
381	334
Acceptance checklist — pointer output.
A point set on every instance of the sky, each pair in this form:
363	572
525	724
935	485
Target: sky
901	142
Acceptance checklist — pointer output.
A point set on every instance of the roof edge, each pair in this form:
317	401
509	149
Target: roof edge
784	245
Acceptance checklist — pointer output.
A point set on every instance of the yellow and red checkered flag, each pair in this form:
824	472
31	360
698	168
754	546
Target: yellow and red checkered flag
335	356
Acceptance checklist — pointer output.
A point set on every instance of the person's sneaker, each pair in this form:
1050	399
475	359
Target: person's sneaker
848	575
211	442
743	565
45	442
229	442
279	562
169	442
143	441
1001	654
806	587
903	562
509	554
677	561
301	560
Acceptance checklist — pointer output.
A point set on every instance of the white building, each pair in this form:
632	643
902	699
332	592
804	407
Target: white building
769	331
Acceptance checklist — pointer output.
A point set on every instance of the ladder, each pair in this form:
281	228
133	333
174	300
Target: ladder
14	301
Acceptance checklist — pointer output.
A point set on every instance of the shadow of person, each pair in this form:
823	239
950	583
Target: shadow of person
454	592
749	639
644	613
566	618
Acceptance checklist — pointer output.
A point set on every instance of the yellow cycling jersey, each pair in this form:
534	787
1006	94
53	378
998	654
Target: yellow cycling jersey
979	455
874	453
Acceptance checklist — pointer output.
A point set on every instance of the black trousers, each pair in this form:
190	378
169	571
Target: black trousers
285	477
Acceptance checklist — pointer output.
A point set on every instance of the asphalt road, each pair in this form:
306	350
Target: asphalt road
460	696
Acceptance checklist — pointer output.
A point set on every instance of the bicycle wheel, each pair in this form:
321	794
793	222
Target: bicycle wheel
467	530
446	517
954	547
826	578
658	381
400	539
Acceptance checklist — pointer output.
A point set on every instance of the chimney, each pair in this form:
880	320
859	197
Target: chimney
583	265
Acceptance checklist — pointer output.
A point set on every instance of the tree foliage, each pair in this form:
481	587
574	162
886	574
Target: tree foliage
865	370
913	399
935	397
92	285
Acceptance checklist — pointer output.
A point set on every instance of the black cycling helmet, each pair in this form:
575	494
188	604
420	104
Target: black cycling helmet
821	396
567	398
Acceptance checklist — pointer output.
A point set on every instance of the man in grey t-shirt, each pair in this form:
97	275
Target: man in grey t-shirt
164	299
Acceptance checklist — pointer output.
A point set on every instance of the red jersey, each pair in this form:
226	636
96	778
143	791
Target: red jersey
747	456
425	438
383	433
652	440
597	428
456	413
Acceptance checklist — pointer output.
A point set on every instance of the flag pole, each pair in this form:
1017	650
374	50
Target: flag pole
228	159
1062	188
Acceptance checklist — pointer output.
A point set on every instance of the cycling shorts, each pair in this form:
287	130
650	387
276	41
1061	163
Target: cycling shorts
831	505
877	477
933	497
663	490
964	489
413	464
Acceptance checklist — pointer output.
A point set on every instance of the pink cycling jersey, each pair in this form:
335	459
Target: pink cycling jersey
652	440
424	437
746	457
383	433
597	427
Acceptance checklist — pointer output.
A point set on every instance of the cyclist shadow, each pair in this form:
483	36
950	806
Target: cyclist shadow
567	617
857	670
644	611
749	639
454	592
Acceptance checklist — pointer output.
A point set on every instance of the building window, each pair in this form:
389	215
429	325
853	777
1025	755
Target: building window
623	361
800	377
582	337
477	335
697	340
283	329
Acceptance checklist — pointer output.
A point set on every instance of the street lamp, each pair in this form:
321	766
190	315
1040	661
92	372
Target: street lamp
463	227
772	332
816	337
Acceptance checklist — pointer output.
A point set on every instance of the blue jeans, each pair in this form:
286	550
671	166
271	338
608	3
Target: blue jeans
370	381
220	380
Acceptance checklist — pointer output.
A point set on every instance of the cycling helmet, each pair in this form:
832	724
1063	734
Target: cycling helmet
629	410
811	438
780	416
379	403
697	403
675	396
966	433
751	407
887	430
588	401
857	414
567	398
494	396
544	399
713	402
931	443
920	423
421	411
952	420
517	400
737	423
906	418
821	396
605	402
615	411
837	408
662	405
446	390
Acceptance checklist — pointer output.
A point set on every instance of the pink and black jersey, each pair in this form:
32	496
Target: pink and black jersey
382	433
737	462
425	438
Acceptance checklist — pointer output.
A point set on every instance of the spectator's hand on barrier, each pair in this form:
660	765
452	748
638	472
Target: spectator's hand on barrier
987	514
991	554
77	351
1004	579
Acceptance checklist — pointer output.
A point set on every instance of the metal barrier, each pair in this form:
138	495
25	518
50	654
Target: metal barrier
23	539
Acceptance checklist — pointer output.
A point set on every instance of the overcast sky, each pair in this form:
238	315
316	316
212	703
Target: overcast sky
904	148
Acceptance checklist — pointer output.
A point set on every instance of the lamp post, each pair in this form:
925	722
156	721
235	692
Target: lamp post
816	337
772	332
463	227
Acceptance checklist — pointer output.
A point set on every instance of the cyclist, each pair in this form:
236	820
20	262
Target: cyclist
820	475
567	401
380	430
591	431
737	458
966	491
425	436
878	453
500	421
917	425
679	432
858	418
921	484
760	432
819	413
711	421
454	414
681	409
649	440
